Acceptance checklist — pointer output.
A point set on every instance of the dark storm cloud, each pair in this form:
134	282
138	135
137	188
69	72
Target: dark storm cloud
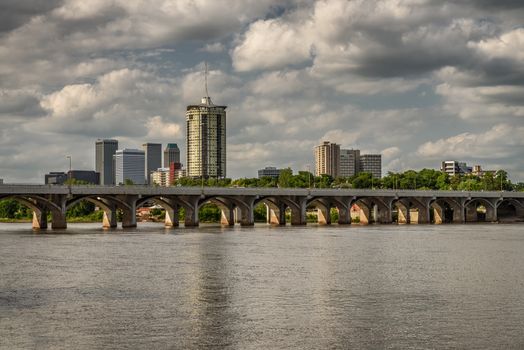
14	13
488	4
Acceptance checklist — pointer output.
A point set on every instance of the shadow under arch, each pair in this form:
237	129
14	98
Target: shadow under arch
510	210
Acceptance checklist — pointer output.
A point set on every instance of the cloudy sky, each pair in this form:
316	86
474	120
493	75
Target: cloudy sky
418	80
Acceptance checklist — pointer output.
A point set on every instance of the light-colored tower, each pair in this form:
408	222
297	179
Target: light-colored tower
129	165
104	152
206	139
327	159
153	159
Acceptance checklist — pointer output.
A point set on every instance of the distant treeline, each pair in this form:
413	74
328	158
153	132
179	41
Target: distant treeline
426	179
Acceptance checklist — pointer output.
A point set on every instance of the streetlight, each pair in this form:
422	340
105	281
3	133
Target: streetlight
69	173
308	176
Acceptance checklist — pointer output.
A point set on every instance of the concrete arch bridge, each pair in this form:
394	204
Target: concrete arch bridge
237	204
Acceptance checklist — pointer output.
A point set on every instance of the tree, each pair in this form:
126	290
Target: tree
284	178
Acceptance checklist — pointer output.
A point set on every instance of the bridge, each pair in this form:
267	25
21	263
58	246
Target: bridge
237	204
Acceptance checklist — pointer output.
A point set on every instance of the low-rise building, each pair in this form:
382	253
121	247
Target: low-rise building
453	167
175	172
160	177
55	178
269	171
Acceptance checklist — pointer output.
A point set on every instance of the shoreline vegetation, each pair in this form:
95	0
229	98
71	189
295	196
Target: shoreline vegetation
11	211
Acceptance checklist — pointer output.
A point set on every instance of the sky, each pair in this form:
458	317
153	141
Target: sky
419	81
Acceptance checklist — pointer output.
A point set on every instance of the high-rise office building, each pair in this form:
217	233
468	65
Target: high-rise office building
105	150
206	140
349	162
153	159
371	163
327	159
129	166
171	154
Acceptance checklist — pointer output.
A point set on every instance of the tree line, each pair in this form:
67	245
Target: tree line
425	179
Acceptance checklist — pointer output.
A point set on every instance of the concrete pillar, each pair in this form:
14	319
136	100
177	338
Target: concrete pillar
171	216
384	215
364	215
191	216
237	214
276	215
227	216
109	219
129	215
419	215
471	213
458	214
491	213
438	214
39	219
324	215
403	214
58	220
298	213
344	217
247	216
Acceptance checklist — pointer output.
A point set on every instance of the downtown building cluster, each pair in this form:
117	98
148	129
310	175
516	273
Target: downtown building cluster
205	150
331	160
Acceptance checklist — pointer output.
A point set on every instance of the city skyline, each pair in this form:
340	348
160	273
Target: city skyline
416	81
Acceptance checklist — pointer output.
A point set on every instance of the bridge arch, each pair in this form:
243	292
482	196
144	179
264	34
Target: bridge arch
480	209
510	210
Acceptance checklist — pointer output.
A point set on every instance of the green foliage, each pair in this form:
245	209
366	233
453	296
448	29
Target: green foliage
82	208
196	182
128	182
284	178
209	213
12	209
260	213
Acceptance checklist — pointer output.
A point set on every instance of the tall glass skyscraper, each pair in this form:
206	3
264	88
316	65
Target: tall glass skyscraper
206	140
129	165
104	152
171	154
153	159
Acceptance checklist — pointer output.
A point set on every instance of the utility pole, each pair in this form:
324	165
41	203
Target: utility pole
69	174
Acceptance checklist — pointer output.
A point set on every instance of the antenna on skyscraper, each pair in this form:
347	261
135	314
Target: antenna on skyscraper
205	79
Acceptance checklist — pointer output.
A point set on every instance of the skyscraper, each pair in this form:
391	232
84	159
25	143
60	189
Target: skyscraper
371	163
129	166
206	140
104	152
327	159
153	159
171	154
349	162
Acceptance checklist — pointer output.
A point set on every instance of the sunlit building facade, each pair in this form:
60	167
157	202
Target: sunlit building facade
206	140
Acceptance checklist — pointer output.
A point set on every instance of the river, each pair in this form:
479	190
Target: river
314	287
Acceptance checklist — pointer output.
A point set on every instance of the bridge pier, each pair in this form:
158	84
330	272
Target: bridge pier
39	219
324	215
298	212
384	216
344	217
275	215
403	214
109	219
171	219
227	216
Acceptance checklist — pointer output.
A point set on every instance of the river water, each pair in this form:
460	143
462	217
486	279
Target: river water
374	287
